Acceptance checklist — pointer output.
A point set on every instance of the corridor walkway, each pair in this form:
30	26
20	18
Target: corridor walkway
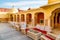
8	33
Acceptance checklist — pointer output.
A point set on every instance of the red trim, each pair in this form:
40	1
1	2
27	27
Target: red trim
49	37
44	32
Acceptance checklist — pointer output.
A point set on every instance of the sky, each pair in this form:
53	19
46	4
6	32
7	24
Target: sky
22	4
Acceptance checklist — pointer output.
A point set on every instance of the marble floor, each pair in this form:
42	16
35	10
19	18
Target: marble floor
8	33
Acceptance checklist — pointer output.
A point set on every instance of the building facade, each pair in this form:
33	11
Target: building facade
47	15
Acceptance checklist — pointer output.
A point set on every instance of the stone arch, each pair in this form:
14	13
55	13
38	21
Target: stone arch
55	17
22	17
39	18
29	18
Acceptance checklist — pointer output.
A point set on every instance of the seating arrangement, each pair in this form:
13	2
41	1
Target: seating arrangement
36	33
51	35
42	37
12	24
58	37
17	27
45	34
23	27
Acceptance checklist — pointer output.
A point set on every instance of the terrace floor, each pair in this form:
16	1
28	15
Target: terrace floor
8	33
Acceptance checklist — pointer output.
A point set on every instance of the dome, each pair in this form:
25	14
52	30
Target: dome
13	10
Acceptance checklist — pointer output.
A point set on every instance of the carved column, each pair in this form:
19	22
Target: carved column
19	18
56	20
13	18
33	20
53	21
25	18
16	17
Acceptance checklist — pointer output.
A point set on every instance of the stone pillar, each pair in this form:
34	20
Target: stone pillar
56	21
44	19
25	18
33	20
20	17
52	21
16	17
46	22
35	17
13	18
49	22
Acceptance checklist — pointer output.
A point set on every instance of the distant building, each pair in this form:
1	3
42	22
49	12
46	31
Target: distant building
3	14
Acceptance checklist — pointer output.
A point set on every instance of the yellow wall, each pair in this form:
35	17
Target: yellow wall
33	12
47	10
53	1
3	15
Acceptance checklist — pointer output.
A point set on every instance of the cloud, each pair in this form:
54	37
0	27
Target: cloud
25	4
22	3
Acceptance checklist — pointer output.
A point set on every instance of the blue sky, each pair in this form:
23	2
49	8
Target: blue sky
22	4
